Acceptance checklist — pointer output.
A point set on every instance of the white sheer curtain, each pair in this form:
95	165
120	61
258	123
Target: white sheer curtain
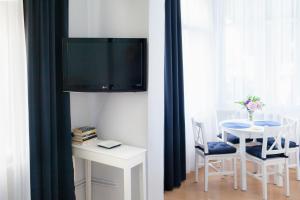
260	48
14	148
236	48
199	71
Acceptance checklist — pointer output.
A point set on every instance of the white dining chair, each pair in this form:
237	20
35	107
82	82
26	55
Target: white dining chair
228	115
212	151
294	148
272	152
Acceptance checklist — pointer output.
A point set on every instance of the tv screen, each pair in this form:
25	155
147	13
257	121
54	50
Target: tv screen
104	64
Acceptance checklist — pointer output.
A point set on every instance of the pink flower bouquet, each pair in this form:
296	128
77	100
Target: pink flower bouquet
252	104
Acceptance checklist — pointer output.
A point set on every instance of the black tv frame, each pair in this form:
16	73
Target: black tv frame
109	87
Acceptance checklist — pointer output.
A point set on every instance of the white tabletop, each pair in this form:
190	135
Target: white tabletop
121	152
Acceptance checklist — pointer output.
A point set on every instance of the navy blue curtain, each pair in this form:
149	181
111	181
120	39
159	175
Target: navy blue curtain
46	23
175	164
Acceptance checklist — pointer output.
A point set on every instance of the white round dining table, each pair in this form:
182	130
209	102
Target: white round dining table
245	130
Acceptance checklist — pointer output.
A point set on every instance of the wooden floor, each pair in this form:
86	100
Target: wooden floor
221	188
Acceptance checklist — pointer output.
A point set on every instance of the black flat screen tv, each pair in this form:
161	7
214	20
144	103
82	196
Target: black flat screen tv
105	64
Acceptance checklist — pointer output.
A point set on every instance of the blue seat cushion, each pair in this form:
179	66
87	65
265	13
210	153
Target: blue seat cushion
257	152
233	139
271	141
215	148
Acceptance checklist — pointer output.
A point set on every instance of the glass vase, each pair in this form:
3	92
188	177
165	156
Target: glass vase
250	115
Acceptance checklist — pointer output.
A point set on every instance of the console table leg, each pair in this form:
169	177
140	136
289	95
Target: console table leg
127	184
88	180
143	192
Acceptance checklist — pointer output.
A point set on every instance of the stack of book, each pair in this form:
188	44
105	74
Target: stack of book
84	133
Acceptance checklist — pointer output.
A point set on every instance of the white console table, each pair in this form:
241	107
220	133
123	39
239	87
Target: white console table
124	157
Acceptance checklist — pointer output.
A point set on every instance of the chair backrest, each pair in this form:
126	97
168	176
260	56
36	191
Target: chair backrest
294	123
227	115
277	133
199	134
298	132
272	116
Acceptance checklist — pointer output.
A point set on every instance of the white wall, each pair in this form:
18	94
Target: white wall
155	137
122	116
